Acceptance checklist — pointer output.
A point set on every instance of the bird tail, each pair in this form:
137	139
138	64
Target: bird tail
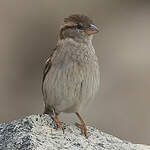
48	110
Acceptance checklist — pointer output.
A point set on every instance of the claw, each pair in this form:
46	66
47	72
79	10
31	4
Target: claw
78	125
57	122
82	125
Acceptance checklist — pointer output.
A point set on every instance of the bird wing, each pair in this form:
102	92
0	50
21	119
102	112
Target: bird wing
48	65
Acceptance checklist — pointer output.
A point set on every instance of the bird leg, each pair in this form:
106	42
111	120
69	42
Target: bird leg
82	125
56	120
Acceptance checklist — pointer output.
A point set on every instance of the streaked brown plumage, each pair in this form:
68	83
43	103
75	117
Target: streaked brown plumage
71	75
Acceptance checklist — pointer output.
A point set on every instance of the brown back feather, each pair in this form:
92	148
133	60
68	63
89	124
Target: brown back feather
47	67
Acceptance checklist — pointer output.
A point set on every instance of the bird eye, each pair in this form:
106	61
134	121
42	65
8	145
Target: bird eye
79	26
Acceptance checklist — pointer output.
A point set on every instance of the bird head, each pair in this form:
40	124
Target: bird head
78	27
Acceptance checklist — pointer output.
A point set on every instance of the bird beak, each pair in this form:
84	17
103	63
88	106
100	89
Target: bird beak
91	30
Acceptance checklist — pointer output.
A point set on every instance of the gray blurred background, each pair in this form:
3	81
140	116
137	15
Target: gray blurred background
29	29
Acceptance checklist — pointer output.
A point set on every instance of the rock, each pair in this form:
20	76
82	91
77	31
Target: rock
38	132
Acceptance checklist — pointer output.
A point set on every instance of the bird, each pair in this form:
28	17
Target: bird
71	76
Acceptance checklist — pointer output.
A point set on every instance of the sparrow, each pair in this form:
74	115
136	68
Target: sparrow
71	75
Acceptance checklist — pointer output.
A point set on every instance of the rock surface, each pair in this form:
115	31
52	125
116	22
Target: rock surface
37	132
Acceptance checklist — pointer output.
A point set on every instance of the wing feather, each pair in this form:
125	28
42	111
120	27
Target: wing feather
47	67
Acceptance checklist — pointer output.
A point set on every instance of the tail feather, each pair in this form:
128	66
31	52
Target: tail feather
48	110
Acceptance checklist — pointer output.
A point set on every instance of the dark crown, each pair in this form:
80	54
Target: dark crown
78	19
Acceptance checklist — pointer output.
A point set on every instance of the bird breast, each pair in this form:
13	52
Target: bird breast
72	80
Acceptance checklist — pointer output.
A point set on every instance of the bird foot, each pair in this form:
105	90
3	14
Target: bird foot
57	122
82	125
83	128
